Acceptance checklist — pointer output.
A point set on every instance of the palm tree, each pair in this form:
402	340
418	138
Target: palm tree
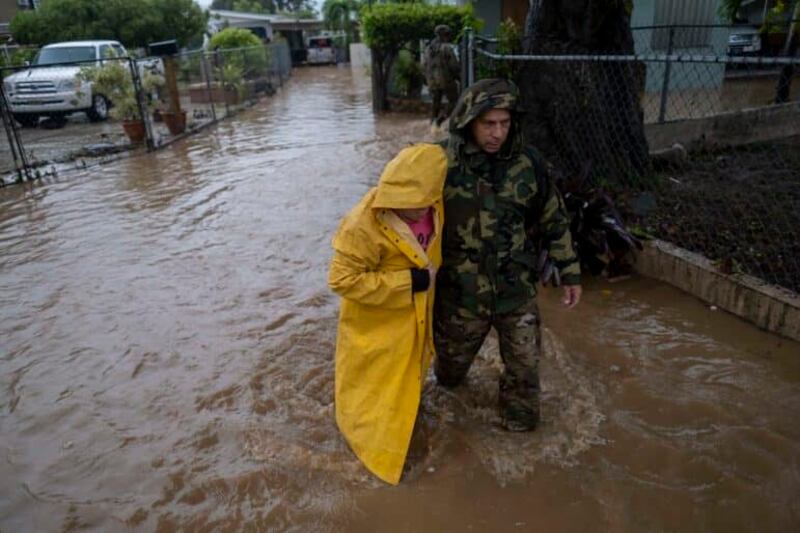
339	15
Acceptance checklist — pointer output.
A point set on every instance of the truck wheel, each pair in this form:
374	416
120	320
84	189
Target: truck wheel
29	120
99	109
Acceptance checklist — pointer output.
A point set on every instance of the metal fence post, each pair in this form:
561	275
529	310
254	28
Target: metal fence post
209	91
21	164
141	102
219	60
248	92
662	110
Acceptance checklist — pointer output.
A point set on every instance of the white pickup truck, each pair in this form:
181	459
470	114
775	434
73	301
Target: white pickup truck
49	88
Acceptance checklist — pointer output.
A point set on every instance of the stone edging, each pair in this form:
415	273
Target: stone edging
767	306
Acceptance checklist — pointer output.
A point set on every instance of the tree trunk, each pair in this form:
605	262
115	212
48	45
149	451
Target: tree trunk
381	67
585	116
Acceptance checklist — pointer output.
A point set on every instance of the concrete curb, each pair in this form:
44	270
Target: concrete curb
769	307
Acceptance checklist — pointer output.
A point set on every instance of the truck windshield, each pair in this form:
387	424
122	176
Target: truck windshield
319	43
67	54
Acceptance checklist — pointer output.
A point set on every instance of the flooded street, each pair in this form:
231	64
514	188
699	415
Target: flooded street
166	362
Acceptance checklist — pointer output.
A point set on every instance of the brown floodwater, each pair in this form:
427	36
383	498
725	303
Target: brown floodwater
166	362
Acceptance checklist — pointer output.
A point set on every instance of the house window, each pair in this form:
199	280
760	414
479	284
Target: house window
683	13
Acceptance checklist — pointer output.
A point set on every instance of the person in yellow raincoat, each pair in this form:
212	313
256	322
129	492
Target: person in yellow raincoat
386	252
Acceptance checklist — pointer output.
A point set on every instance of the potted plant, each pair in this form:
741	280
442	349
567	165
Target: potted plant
231	75
113	80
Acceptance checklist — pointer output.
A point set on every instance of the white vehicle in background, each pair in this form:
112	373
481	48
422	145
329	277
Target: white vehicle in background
744	41
320	50
47	88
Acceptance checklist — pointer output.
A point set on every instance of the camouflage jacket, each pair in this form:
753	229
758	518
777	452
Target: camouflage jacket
441	65
498	211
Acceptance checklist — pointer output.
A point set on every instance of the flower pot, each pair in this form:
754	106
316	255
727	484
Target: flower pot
134	129
176	123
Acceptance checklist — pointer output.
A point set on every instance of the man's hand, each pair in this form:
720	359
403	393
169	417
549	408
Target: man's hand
572	295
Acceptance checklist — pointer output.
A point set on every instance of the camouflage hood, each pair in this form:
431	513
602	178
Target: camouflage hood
481	96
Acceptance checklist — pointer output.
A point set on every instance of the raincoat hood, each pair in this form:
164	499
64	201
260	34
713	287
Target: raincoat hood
413	179
493	93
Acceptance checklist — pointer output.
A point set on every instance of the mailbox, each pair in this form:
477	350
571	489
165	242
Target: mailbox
163	48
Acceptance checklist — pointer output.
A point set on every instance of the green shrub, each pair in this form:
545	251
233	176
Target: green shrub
234	38
408	76
509	41
387	28
113	80
390	26
243	49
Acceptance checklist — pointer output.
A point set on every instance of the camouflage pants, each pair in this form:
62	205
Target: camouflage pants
451	92
458	335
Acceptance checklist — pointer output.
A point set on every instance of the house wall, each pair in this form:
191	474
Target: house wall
711	41
489	12
516	10
8	8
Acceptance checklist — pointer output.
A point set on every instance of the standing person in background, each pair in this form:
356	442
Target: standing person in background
442	73
501	208
386	252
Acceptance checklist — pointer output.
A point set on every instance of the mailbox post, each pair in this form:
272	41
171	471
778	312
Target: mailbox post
175	118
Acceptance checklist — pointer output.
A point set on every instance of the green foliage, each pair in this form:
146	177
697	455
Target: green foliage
242	49
728	10
28	27
388	27
234	38
231	75
509	41
341	16
19	57
303	13
133	22
249	6
113	80
183	20
408	74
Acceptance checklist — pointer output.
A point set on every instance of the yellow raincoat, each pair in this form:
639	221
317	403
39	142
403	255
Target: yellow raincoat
384	344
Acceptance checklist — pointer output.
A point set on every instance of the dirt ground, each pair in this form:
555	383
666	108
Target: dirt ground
739	207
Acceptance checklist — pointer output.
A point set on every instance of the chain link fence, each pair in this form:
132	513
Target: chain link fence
696	136
83	112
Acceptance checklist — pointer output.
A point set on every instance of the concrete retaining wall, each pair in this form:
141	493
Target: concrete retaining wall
732	128
769	307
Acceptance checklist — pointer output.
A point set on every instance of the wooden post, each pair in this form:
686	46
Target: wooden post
172	85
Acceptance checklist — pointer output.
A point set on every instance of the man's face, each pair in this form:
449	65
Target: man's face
490	130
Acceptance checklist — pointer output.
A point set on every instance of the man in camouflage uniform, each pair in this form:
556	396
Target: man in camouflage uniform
441	73
500	210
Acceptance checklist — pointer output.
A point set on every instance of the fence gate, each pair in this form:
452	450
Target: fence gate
21	165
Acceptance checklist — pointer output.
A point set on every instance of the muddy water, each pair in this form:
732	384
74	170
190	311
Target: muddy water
166	349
